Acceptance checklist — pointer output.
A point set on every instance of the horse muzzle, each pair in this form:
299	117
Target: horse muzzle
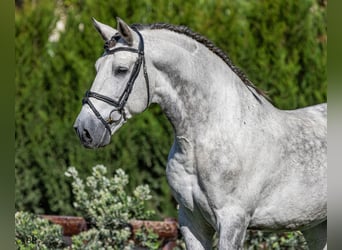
90	130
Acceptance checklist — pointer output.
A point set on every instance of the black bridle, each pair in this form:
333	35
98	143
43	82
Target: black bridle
119	105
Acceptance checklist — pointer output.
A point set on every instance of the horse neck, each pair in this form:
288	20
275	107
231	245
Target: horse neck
197	89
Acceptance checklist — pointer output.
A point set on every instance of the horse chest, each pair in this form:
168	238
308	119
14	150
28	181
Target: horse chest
187	192
183	182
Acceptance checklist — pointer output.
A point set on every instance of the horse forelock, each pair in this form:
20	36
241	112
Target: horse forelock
109	44
207	43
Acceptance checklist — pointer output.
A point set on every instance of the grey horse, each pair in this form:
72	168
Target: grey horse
237	162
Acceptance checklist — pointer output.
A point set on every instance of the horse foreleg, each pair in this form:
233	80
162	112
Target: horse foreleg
196	232
316	237
232	226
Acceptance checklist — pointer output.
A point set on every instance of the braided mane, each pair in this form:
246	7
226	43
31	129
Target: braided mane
206	42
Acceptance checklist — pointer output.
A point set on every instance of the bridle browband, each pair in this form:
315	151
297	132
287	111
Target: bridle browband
120	104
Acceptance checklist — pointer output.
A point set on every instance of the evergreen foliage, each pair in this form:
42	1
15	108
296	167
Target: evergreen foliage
281	46
258	240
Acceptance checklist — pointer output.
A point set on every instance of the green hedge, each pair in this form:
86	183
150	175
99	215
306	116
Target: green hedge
281	46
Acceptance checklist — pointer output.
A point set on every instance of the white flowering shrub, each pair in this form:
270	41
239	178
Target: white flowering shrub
104	203
32	232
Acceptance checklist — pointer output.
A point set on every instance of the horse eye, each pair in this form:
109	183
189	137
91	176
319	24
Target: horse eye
121	70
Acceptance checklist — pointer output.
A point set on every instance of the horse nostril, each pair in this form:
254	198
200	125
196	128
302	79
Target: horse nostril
86	136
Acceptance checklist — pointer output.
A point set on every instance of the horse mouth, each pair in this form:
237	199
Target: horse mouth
89	141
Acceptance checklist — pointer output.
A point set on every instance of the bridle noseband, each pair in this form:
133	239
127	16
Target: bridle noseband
119	105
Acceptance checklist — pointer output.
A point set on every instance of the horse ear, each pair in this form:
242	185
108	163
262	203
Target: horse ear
105	31
125	31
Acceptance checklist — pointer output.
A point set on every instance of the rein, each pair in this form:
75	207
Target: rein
119	105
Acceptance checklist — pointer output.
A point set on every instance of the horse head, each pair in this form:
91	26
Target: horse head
120	89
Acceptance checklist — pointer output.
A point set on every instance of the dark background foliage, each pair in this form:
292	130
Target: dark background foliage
280	45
